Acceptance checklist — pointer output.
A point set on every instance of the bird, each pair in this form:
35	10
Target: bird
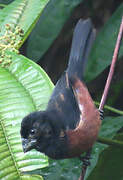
70	123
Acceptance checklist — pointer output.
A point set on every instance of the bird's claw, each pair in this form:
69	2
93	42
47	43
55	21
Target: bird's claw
86	159
101	114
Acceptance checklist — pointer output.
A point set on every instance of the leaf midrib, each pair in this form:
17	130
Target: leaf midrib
9	148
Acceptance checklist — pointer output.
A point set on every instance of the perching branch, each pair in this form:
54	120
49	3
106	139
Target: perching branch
107	86
112	67
114	110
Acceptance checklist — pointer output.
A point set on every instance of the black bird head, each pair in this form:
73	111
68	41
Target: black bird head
35	128
37	132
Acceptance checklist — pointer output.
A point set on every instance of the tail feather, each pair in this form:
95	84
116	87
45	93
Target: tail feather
83	37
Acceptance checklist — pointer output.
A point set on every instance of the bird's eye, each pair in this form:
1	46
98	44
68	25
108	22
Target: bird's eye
32	131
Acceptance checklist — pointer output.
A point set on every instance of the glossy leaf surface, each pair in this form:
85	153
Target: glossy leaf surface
24	87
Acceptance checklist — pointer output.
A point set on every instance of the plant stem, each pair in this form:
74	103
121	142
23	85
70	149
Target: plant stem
111	72
111	108
116	143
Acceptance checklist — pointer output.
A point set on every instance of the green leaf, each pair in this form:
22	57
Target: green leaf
102	51
22	13
68	169
49	26
109	129
24	87
33	177
110	126
109	165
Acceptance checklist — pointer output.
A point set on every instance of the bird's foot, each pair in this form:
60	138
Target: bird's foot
86	159
101	114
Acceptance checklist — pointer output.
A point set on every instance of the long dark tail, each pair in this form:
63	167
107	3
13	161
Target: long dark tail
83	37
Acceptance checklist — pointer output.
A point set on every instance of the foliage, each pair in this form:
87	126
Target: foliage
55	8
106	39
22	86
25	87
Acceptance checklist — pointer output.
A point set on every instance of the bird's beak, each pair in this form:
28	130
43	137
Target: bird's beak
28	144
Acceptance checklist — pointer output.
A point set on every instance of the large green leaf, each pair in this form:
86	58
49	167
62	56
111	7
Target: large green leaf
24	87
102	51
109	165
22	13
48	27
108	130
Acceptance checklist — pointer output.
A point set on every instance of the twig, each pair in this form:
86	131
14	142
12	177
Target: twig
108	82
111	142
114	110
84	168
111	72
86	163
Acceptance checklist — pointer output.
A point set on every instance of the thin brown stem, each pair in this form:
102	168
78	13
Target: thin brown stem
112	67
86	163
84	168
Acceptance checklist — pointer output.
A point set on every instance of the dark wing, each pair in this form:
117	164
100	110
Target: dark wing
64	104
63	99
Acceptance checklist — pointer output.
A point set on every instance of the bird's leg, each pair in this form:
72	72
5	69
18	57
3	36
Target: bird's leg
86	159
86	163
101	114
